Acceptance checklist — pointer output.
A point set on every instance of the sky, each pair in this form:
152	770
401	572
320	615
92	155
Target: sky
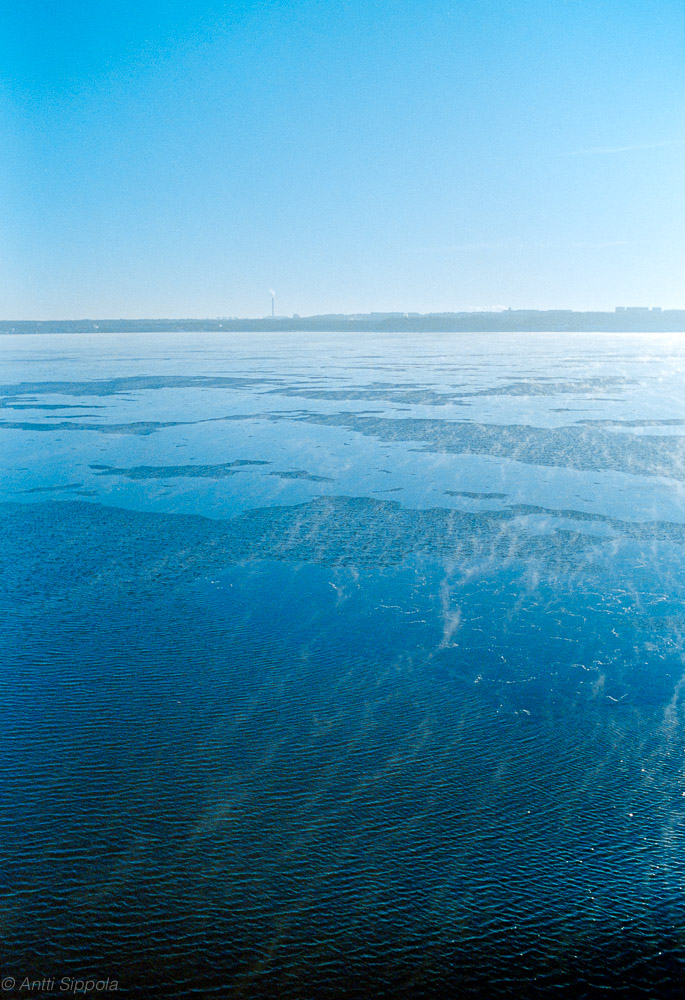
179	158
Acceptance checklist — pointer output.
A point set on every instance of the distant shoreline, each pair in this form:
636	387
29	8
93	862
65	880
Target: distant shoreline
628	320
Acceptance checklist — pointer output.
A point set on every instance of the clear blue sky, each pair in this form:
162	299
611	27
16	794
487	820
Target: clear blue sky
181	157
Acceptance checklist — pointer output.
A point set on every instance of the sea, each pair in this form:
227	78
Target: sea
342	665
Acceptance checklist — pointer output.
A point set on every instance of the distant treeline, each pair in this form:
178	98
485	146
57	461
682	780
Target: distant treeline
509	321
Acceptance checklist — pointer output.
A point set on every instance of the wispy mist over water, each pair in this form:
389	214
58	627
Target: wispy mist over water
344	666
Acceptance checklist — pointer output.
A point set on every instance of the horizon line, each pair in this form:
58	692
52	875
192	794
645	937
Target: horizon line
388	313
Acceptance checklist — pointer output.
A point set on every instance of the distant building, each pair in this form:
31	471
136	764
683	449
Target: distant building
641	310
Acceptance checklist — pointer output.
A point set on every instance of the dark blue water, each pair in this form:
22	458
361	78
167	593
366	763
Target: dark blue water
339	667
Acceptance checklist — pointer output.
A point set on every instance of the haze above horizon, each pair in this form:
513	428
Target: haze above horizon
183	158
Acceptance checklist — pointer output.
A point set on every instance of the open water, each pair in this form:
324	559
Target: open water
343	666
